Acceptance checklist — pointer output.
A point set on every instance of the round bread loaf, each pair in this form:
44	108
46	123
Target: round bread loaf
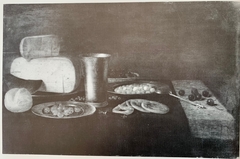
18	100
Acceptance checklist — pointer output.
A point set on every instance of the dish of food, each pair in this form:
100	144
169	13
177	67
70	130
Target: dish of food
123	108
137	104
63	109
154	107
137	88
121	74
142	105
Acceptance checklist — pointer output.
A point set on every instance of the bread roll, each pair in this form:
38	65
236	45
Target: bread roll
18	100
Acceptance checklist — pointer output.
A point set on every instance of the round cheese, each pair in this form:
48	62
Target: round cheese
59	74
39	46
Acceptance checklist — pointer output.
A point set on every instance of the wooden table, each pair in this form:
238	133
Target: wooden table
140	134
211	123
212	129
214	122
103	134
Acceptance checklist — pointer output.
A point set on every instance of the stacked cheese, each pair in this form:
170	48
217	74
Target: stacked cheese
39	46
41	61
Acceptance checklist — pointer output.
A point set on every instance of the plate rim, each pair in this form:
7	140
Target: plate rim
139	108
156	111
52	94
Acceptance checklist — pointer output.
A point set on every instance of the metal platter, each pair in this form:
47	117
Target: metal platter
153	86
83	109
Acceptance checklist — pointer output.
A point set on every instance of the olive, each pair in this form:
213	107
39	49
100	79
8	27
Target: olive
210	102
181	92
198	97
205	93
194	91
46	110
191	97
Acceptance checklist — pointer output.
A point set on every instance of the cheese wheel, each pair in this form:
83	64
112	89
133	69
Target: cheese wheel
58	74
39	46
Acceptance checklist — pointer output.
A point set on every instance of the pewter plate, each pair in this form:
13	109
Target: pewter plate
157	85
85	109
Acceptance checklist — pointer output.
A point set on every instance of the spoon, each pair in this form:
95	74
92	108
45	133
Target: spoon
173	95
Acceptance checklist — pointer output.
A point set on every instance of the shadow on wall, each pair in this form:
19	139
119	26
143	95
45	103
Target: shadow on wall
158	40
191	40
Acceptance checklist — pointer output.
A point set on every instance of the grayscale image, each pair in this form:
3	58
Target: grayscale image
139	79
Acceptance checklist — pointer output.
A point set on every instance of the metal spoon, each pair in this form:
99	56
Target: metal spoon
173	95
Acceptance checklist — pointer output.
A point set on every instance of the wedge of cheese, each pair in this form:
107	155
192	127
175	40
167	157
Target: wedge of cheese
39	46
58	74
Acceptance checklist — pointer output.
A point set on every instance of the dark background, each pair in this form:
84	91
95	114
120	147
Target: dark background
163	40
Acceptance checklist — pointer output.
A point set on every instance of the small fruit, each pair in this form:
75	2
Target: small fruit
205	93
194	91
181	92
46	110
191	97
210	102
18	100
198	97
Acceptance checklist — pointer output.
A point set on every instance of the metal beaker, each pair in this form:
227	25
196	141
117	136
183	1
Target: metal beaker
95	71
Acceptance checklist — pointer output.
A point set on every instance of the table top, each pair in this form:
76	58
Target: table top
214	122
101	134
